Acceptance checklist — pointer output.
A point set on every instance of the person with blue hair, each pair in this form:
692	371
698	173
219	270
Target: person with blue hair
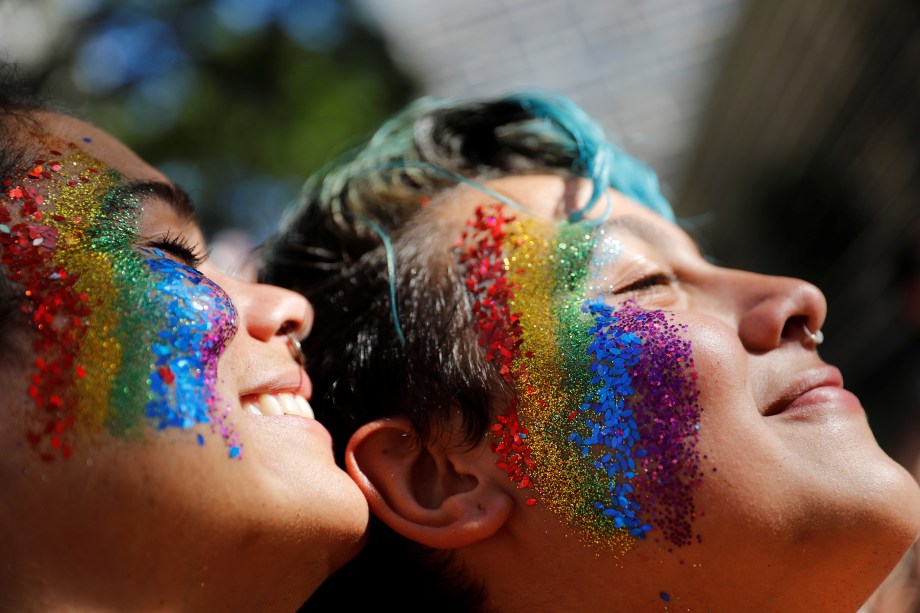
554	402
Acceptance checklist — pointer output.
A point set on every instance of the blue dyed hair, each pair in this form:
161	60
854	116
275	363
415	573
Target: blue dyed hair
414	154
595	158
363	197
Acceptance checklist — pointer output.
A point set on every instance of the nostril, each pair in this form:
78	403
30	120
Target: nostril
793	328
288	328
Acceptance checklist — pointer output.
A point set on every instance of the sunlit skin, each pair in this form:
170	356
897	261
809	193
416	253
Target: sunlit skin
800	508
160	521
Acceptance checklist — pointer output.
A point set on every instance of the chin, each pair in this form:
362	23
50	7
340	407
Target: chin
886	493
899	502
882	522
823	542
862	494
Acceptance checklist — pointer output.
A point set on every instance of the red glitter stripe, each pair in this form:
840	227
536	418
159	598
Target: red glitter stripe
56	312
500	331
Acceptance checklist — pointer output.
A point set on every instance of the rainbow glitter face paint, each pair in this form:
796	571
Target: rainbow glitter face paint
125	336
604	426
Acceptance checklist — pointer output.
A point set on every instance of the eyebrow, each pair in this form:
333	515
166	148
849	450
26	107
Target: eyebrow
651	234
639	228
173	195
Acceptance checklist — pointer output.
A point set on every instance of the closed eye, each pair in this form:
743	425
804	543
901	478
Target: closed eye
645	283
179	246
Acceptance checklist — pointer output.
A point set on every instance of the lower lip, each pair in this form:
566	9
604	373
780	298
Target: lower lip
823	400
313	425
286	421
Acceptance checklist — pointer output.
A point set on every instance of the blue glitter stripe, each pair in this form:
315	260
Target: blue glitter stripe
613	434
198	320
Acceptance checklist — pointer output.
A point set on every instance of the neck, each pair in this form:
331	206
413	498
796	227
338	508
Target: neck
560	572
63	579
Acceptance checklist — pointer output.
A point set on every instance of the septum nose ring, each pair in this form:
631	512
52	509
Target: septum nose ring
816	337
294	348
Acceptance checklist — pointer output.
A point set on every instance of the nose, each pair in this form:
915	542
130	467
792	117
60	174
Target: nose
773	310
267	311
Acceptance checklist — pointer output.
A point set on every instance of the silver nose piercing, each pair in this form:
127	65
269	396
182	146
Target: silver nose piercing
294	348
816	337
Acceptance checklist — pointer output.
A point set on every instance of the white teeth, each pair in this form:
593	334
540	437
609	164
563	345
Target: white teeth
270	405
252	407
287	403
279	404
304	406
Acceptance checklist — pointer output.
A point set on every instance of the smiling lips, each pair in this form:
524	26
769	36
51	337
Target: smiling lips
278	404
818	387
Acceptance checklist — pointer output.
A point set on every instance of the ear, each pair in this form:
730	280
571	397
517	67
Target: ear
436	493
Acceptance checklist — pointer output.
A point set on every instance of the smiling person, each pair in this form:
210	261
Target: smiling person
554	402
158	448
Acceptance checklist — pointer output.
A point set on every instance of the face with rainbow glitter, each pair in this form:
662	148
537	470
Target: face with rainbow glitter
671	436
603	426
153	406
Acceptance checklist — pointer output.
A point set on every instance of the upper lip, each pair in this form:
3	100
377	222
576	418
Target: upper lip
825	376
291	381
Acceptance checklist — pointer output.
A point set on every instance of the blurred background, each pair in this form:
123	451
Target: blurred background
786	132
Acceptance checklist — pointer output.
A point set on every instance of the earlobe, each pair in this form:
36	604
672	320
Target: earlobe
434	493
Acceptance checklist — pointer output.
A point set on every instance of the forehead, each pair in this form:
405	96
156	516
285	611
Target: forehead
553	198
86	146
95	143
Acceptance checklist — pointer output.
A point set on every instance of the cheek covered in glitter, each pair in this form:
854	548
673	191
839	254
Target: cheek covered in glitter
604	425
121	337
198	321
638	424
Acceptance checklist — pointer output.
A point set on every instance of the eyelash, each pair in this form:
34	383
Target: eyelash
645	283
179	246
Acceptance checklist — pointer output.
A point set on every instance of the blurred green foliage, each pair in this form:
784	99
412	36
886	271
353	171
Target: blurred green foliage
237	101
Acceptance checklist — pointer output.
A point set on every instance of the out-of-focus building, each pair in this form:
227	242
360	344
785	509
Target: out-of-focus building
644	68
